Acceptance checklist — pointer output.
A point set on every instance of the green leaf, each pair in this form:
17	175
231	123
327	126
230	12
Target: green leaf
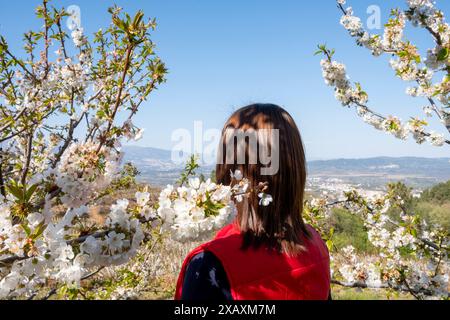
443	54
15	191
39	231
138	18
26	229
30	192
329	244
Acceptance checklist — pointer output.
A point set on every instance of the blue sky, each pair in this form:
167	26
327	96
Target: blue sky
226	54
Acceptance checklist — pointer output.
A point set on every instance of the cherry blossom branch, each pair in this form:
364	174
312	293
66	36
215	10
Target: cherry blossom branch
372	211
341	7
335	76
12	135
119	96
436	35
20	63
8	79
443	116
13	258
424	133
393	43
17	117
44	117
435	108
72	126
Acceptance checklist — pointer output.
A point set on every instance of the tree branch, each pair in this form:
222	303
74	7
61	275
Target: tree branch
442	116
27	157
17	117
72	126
2	182
424	133
20	63
47	67
119	97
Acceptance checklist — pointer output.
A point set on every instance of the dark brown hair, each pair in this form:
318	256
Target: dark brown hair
279	225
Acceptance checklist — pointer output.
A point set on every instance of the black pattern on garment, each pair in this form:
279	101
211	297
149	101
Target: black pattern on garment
205	279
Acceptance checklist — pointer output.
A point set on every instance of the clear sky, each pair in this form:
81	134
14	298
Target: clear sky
224	54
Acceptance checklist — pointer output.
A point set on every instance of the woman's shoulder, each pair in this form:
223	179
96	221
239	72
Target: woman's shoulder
311	230
229	229
204	258
316	239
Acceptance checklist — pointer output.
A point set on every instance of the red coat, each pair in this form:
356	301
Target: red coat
260	274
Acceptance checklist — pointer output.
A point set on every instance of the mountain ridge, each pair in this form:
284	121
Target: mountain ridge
157	167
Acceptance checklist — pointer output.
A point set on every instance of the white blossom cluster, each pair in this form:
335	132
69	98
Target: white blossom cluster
63	78
335	75
192	212
46	250
393	32
195	211
78	38
355	28
83	172
69	76
355	269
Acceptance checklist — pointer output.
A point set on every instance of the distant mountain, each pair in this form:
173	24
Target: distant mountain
430	167
433	166
138	153
375	172
157	168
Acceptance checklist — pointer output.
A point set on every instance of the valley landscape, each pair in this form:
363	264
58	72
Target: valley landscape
329	177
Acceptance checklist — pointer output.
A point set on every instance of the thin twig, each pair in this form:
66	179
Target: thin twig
92	273
2	182
27	157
